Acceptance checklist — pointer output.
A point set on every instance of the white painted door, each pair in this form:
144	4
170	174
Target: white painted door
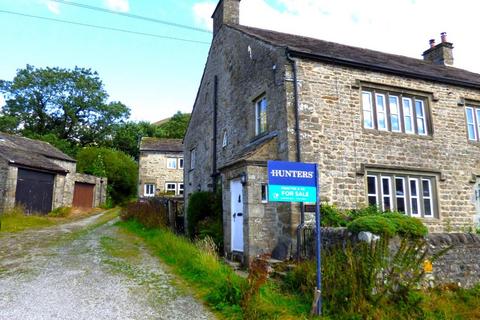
237	215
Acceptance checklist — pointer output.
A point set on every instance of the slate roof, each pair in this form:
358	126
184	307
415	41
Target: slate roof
363	58
160	144
31	153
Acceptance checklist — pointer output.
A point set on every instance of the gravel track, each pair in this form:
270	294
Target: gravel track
44	274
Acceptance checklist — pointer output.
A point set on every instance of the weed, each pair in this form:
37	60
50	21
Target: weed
60	212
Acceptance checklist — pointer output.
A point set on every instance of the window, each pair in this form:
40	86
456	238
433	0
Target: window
149	190
261	116
180	163
225	139
410	194
180	188
172	163
264	193
389	111
473	123
170	188
193	154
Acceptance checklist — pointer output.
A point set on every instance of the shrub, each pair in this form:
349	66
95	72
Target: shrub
152	213
331	216
376	224
367	211
406	226
60	212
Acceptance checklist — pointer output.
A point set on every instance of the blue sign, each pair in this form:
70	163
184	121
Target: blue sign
292	181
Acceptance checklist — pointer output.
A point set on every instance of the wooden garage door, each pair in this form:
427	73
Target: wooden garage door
83	195
34	191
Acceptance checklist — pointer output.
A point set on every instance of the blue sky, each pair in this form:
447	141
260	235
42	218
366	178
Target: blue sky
156	77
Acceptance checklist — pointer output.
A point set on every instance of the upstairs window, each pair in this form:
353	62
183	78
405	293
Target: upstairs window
172	163
261	115
410	194
394	112
473	122
180	163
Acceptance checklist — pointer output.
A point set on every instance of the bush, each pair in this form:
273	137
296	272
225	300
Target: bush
379	225
406	226
152	213
60	212
367	211
120	169
331	216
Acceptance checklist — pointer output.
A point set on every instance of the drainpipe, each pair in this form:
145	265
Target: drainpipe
297	143
214	149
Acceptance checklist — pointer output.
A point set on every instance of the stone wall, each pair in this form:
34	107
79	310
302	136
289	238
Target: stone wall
152	169
458	262
10	187
64	184
100	190
3	184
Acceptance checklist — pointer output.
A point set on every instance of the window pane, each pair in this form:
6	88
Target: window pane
413	188
428	207
381	112
426	188
172	163
414	206
399	187
401	205
408	114
372	188
367	110
386	186
372	201
395	114
421	123
471	127
478	120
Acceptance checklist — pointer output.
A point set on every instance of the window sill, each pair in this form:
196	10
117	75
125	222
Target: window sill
400	134
259	136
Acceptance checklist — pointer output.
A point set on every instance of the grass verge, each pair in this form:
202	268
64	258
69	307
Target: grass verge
214	282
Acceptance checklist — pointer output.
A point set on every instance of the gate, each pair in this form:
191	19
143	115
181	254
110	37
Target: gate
34	191
83	195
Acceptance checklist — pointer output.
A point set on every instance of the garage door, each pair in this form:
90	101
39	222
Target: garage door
34	191
83	195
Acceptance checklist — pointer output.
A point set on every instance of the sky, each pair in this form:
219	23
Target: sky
157	77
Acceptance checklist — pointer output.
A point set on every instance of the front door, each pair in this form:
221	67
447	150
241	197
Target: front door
237	215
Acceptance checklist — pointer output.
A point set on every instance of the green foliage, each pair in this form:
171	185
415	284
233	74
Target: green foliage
60	212
366	211
175	127
126	136
151	213
331	216
69	104
389	224
63	145
204	215
119	168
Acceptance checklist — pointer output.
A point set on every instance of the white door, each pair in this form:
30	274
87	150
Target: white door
236	212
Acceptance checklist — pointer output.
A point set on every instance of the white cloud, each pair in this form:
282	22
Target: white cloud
202	12
118	5
53	7
401	26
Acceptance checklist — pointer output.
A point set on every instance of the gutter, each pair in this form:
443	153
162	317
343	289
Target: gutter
301	226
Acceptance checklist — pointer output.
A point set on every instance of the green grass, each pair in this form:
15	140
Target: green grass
17	223
214	282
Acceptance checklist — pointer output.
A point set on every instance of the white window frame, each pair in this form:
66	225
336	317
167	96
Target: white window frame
429	198
180	189
264	193
146	190
476	126
389	196
422	119
171	163
180	163
174	190
409	115
404	197
398	114
367	104
416	197
376	194
383	113
258	115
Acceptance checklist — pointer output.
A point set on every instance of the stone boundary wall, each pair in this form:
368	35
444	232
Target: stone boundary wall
459	264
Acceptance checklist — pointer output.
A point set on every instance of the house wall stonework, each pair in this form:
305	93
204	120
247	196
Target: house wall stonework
334	137
153	169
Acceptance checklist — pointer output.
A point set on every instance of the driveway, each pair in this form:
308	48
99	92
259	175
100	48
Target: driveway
84	270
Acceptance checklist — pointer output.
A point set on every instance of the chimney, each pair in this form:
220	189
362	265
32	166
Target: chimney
226	12
441	53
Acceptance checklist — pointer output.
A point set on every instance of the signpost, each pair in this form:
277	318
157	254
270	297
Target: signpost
298	182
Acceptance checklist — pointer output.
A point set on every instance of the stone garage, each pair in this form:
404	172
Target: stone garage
39	177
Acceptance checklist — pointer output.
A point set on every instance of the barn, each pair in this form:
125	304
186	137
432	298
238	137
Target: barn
40	178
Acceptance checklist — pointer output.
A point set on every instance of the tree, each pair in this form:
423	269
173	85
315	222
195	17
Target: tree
175	127
120	169
126	136
70	104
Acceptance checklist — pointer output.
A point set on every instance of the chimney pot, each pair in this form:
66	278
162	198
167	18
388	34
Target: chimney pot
432	43
226	12
443	36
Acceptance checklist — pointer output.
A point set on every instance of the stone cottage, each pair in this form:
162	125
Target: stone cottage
40	177
389	130
160	167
